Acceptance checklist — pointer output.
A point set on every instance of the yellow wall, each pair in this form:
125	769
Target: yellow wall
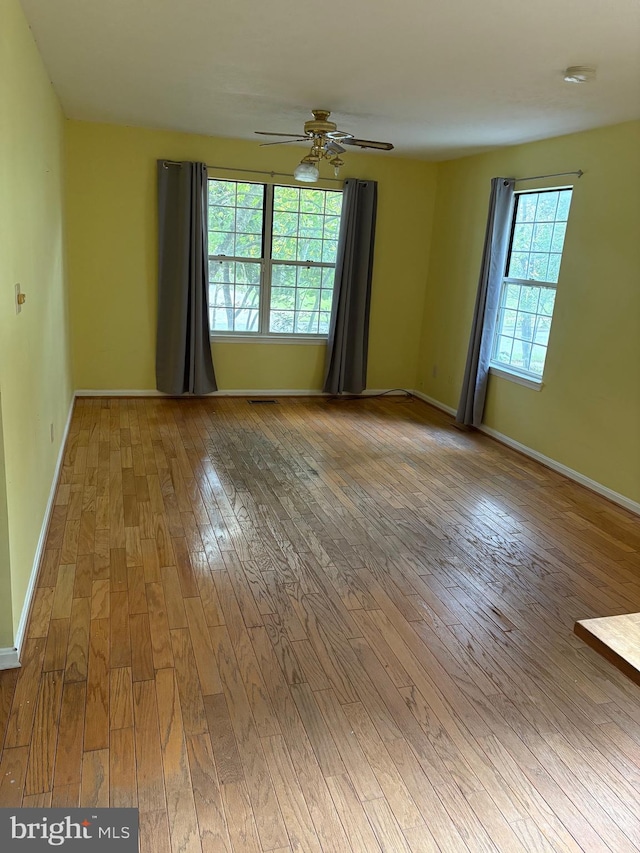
34	365
111	219
587	415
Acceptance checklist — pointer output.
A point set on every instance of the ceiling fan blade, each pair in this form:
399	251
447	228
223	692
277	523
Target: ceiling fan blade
269	133
368	143
284	142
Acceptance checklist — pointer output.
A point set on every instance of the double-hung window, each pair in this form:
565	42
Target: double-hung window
528	289
272	257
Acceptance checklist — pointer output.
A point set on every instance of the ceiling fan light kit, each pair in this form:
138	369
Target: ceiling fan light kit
306	171
325	141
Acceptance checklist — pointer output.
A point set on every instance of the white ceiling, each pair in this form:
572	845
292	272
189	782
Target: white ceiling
438	78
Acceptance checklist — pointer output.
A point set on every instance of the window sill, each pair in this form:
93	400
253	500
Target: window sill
518	378
305	340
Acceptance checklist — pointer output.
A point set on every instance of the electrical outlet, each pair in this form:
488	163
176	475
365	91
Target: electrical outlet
52	433
434	371
18	299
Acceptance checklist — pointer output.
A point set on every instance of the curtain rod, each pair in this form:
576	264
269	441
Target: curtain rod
579	173
254	171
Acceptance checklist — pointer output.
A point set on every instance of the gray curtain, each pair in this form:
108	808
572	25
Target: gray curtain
346	361
494	256
183	350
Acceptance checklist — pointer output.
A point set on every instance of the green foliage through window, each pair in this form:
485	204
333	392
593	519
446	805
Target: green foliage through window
290	267
528	290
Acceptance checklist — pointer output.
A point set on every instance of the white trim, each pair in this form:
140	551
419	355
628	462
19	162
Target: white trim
605	491
236	392
518	378
26	607
435	403
119	392
318	340
576	476
9	659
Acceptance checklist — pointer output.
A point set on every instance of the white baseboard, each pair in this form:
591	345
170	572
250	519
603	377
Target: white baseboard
605	491
435	403
570	473
234	392
9	659
26	607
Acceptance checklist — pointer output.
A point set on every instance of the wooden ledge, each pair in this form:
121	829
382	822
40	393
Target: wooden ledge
617	638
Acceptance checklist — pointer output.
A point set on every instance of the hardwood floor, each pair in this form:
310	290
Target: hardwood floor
324	626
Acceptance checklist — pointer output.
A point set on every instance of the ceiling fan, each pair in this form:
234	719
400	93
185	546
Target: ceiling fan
326	144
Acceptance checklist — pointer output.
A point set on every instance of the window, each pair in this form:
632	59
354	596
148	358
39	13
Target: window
272	256
528	290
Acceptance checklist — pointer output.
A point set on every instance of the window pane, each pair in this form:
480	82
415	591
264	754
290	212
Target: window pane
312	201
284	248
286	198
245	321
564	203
522	234
250	195
285	223
547	206
234	288
525	326
249	245
529	299
527	204
331	227
559	231
323	325
221	218
542	234
547	299
507	322
538	355
553	270
222	243
328	277
249	221
283	275
333	203
543	326
503	350
326	300
538	264
329	251
222	192
283	298
511	295
281	321
308	299
306	323
519	265
309	250
309	276
311	226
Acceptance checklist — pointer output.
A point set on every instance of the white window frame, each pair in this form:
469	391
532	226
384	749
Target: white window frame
528	378
266	262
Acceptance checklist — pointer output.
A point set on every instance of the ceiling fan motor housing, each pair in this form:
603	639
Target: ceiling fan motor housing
319	124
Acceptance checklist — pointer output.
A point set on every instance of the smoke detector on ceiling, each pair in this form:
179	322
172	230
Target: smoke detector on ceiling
579	74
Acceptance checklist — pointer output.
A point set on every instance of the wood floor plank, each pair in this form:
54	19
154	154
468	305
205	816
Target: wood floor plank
123	793
39	777
214	835
183	823
151	795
